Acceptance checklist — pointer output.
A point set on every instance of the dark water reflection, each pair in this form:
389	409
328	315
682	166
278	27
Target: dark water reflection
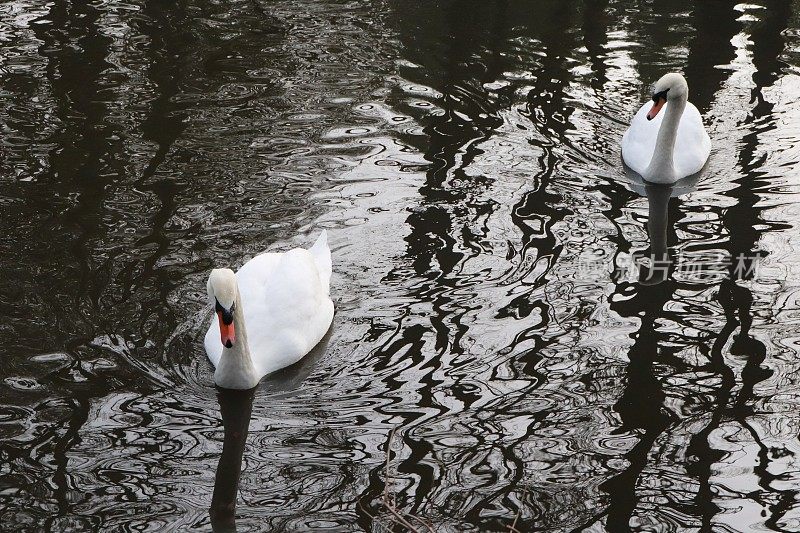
464	157
235	407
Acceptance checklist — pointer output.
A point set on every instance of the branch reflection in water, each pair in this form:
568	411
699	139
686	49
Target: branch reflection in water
235	407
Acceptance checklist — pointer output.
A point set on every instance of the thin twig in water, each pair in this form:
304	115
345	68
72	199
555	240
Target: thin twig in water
388	499
374	518
427	525
513	527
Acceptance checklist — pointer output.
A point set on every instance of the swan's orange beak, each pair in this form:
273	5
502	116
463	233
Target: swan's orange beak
227	332
656	108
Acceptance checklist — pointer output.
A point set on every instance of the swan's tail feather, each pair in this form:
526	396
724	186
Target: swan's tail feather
322	257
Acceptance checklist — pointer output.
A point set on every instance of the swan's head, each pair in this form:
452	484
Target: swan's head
671	86
222	293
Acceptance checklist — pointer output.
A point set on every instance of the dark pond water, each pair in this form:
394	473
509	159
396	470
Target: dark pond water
464	157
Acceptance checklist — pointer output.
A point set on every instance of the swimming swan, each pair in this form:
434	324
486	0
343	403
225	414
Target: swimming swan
665	147
269	314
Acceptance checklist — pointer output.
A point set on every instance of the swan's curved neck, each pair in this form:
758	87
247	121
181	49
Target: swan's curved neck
661	168
235	369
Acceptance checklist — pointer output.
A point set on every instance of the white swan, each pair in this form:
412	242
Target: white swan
665	147
270	314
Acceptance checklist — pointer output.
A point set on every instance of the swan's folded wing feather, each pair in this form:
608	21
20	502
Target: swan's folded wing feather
692	145
212	342
322	257
284	321
639	141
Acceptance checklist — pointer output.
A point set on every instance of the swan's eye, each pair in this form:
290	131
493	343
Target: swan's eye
661	95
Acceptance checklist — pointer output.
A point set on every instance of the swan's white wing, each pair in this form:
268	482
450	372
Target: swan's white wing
212	342
639	141
287	310
692	145
322	258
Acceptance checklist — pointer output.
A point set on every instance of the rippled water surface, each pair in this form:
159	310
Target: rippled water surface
464	158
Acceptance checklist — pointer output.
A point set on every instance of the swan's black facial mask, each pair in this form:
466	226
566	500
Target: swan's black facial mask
225	314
